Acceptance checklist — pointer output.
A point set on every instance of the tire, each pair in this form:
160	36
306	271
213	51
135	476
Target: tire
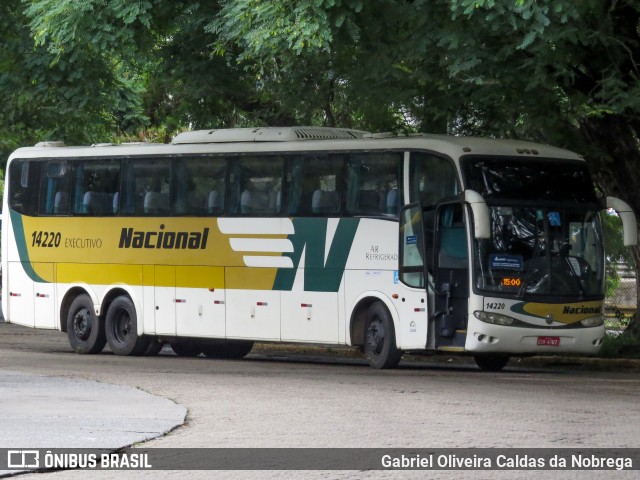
84	329
186	348
380	338
121	328
153	348
491	363
226	348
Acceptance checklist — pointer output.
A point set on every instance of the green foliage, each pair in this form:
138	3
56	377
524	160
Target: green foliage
554	71
263	28
69	26
557	71
67	89
620	346
615	250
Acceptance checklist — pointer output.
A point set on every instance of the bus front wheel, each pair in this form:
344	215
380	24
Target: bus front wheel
84	328
121	328
186	348
380	338
491	363
226	348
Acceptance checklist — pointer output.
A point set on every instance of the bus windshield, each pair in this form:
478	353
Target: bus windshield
534	180
546	237
542	252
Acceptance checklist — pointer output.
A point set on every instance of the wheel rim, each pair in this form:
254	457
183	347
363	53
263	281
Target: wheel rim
82	324
122	326
375	337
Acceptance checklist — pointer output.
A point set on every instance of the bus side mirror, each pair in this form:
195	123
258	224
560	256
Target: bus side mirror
629	225
481	217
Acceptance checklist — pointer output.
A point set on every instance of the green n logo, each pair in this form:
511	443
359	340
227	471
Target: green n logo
310	237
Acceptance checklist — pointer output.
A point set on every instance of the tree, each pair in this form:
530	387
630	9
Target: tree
556	71
78	95
584	64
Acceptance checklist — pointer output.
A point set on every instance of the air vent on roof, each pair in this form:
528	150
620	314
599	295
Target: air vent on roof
50	144
327	133
380	135
267	134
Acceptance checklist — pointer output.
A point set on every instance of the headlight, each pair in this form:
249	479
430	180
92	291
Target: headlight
593	321
495	318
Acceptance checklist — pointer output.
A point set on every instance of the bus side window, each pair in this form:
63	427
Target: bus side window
199	186
54	188
371	177
298	187
258	191
145	187
325	202
394	201
315	185
23	187
95	184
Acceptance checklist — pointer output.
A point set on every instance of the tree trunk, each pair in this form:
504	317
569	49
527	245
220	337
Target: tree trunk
612	151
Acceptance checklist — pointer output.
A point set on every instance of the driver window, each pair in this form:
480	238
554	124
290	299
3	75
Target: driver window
432	179
452	238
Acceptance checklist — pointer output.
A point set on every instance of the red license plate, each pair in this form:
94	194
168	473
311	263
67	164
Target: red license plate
549	341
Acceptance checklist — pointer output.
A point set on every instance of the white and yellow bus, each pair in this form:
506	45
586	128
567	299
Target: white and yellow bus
421	243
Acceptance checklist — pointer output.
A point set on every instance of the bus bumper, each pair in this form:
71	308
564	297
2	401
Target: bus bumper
488	338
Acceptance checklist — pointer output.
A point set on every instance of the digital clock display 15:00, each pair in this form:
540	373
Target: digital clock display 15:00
511	282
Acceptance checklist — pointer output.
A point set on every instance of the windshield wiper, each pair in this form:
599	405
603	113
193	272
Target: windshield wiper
531	262
575	274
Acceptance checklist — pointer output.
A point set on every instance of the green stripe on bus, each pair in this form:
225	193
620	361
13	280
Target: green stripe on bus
23	250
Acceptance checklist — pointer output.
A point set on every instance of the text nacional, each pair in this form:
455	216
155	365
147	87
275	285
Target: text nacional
130	238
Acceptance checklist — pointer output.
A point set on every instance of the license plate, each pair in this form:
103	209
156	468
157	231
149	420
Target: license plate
549	341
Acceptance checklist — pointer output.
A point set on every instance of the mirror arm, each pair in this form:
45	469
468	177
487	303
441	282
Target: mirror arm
625	212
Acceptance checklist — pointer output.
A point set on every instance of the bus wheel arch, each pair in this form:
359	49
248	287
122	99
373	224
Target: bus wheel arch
69	298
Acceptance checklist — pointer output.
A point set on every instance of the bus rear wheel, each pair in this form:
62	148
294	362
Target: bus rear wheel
186	348
153	348
121	327
84	328
491	363
380	338
226	348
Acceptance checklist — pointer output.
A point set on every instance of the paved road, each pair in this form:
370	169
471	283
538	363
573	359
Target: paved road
303	401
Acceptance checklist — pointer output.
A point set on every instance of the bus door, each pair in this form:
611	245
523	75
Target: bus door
412	268
413	272
451	276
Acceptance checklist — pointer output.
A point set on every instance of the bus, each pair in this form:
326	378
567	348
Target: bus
226	237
